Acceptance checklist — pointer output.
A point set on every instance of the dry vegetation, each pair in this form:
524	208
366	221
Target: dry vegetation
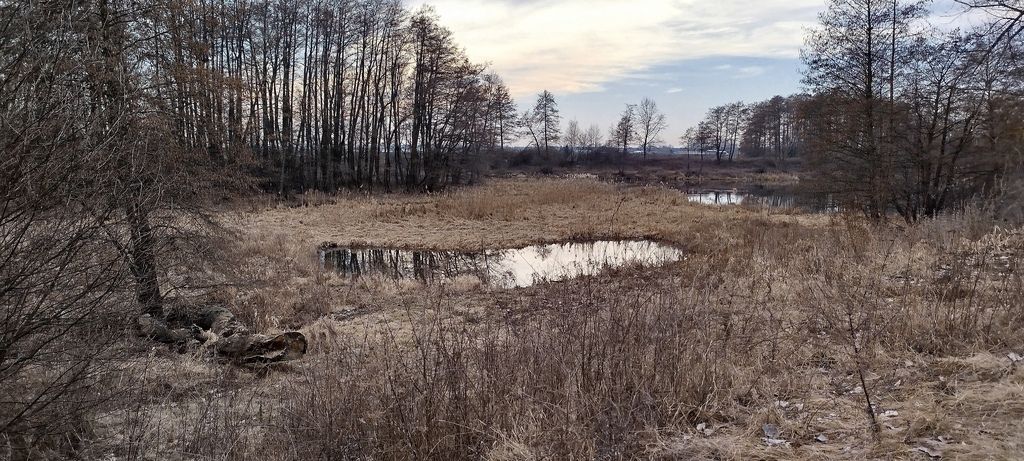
508	213
691	170
773	319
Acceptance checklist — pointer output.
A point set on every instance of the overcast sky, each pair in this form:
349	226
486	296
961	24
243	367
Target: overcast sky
598	55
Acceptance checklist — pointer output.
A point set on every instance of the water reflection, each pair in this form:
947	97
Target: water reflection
504	268
716	198
765	198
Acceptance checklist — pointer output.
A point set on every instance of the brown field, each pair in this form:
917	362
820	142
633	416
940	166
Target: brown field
509	213
780	319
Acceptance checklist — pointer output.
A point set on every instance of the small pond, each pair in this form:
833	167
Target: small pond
764	197
508	268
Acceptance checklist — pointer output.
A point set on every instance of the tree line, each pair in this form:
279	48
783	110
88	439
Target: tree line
639	125
322	95
899	115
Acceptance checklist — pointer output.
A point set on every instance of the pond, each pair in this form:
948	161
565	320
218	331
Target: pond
764	197
508	268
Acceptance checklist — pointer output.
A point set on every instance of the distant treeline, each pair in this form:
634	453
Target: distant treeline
775	128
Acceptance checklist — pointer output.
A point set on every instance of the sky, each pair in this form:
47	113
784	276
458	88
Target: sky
598	55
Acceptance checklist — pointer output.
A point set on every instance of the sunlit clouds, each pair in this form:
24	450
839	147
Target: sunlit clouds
578	46
599	55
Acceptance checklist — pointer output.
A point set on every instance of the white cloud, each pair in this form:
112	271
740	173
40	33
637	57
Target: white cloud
674	90
750	71
574	46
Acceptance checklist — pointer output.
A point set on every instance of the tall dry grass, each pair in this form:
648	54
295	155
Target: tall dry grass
598	378
606	371
755	322
516	200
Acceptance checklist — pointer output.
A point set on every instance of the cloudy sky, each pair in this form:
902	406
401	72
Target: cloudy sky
598	55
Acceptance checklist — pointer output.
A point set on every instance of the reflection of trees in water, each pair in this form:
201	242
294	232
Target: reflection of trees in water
401	264
767	198
507	268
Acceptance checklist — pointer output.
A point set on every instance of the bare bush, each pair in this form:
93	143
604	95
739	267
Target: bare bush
61	303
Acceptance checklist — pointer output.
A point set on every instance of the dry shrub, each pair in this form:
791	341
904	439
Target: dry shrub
313	302
595	377
969	297
184	408
272	257
939	296
315	198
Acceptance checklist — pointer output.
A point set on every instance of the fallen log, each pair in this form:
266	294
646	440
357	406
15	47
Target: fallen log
215	327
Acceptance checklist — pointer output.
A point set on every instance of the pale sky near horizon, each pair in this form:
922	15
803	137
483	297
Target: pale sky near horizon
598	55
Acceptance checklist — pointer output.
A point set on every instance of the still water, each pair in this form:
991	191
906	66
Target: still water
764	198
508	268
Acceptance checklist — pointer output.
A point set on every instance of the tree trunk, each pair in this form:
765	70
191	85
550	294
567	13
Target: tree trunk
217	329
143	261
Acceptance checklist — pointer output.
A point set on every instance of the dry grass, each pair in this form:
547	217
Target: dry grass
770	320
509	213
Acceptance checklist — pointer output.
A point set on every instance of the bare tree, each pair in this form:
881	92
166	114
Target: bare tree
907	137
716	125
1009	18
325	94
688	139
698	138
849	57
650	123
775	127
736	121
624	132
503	110
593	138
936	134
573	138
61	282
